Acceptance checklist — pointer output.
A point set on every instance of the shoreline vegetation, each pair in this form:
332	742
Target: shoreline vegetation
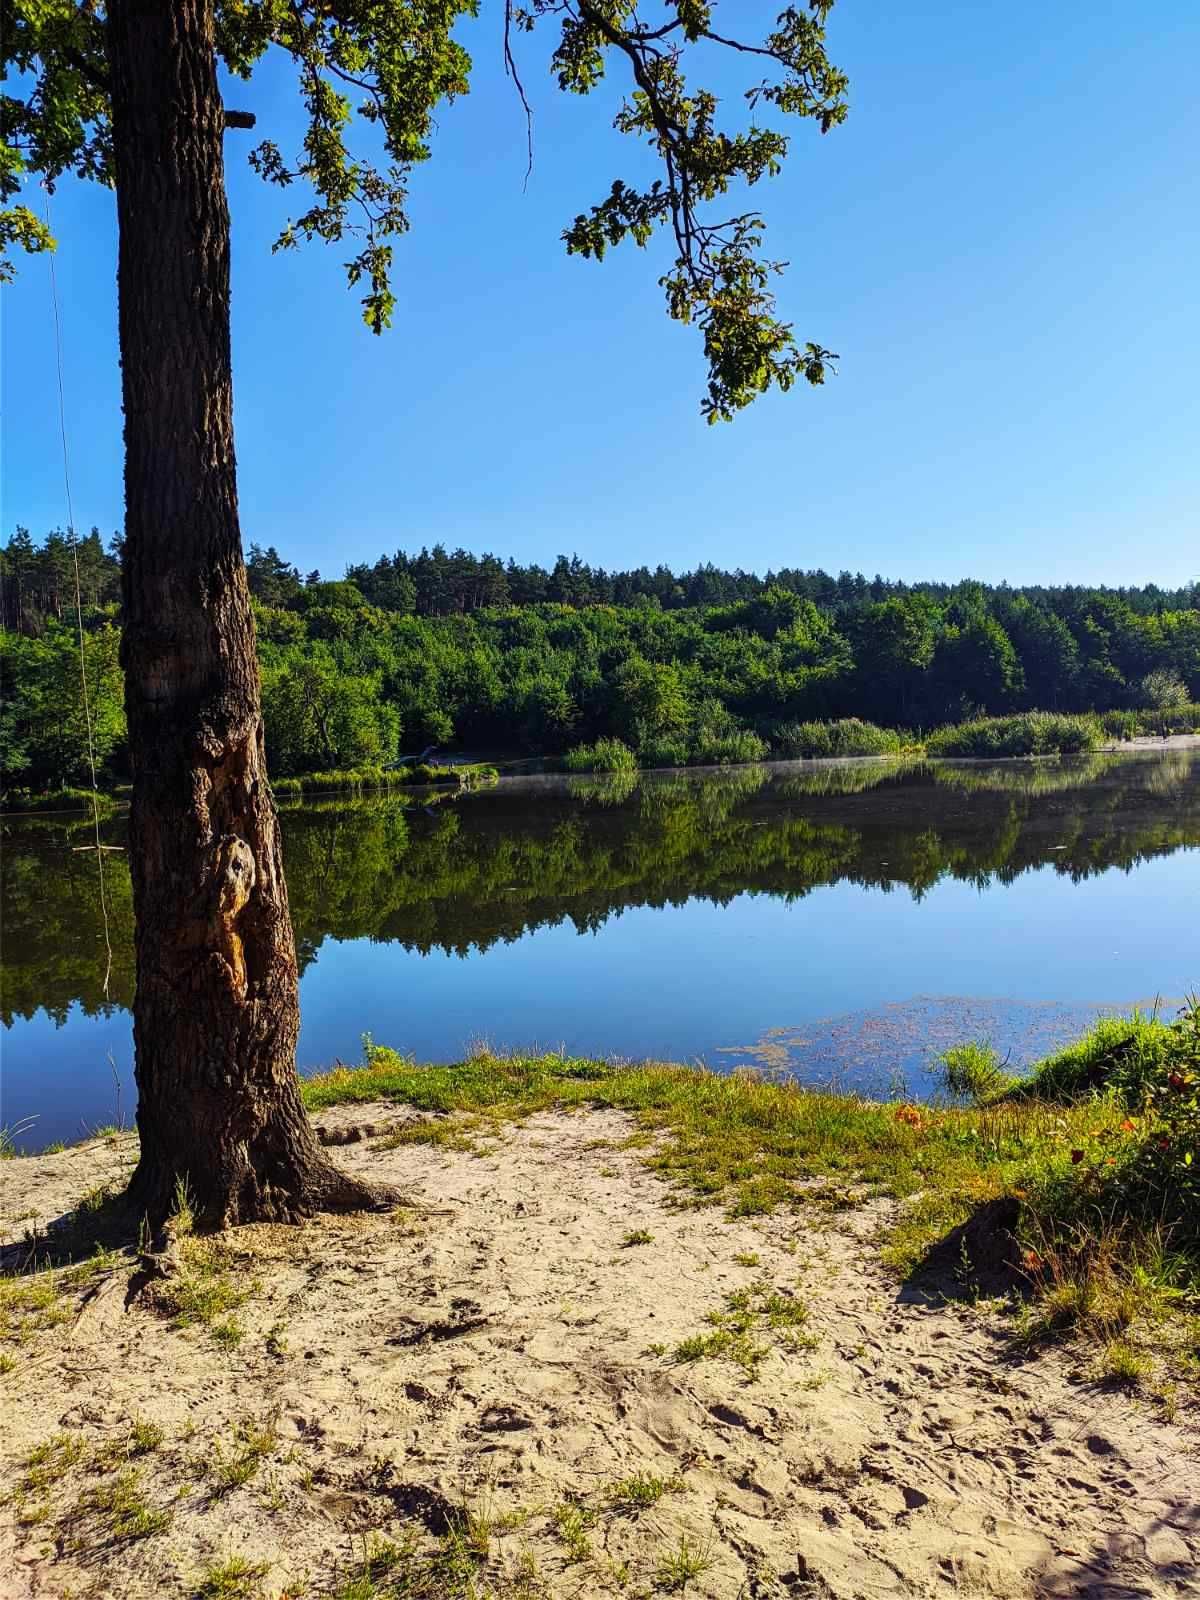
1027	734
1074	1190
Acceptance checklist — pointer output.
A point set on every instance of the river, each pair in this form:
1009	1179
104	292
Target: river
839	922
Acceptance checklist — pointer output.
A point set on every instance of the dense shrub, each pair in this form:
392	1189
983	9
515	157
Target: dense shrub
1033	733
848	737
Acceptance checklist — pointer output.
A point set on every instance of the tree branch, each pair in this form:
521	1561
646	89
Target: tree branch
510	67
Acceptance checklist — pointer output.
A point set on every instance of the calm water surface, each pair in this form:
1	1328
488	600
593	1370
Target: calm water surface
838	922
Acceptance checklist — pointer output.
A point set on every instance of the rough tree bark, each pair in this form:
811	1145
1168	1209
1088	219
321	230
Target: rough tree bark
216	1011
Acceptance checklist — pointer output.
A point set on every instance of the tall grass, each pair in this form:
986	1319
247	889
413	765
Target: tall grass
722	745
357	779
1131	724
64	799
606	755
1125	1055
974	1072
727	747
848	737
1032	733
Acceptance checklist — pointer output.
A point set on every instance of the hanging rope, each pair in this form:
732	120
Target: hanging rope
87	705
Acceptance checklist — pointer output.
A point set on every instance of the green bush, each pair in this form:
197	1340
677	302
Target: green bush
606	755
848	737
1033	733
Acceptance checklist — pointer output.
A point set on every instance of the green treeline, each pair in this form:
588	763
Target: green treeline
451	650
470	872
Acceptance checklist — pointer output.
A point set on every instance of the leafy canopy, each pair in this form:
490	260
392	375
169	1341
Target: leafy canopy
379	69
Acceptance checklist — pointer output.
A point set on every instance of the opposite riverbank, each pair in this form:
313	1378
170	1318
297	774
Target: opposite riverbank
990	739
653	1331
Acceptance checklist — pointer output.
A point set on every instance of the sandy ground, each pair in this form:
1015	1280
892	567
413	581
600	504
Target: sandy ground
509	1358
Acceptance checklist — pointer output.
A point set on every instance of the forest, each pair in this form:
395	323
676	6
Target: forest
476	654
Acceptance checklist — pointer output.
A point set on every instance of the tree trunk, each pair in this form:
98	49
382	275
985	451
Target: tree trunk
216	1010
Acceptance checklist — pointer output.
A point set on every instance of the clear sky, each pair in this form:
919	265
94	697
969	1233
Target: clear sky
1002	243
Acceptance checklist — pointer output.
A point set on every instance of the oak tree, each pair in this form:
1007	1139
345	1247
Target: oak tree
126	93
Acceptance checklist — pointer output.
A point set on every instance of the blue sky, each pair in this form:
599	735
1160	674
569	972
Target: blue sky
1002	244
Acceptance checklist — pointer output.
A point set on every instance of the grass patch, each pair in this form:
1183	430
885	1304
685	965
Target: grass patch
143	1439
636	1236
1129	1055
1183	718
681	1565
572	1522
751	1323
29	1304
120	1508
232	1579
627	1496
1123	1364
466	775
974	1072
49	1462
413	1570
64	799
234	1464
205	1293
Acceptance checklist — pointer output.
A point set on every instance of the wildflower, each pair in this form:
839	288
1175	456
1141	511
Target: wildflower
1031	1261
1177	1080
1128	1125
908	1114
